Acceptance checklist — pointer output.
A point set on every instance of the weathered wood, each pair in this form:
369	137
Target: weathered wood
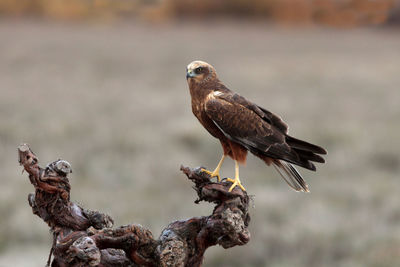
85	238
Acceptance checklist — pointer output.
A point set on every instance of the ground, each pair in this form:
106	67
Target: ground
113	101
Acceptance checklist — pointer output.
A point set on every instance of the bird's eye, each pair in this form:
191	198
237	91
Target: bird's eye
198	70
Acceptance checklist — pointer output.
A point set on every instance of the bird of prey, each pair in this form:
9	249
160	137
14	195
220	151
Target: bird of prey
243	126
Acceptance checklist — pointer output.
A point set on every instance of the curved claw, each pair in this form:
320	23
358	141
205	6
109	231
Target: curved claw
236	182
212	174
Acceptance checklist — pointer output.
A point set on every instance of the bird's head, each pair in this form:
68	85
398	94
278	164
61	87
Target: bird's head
200	71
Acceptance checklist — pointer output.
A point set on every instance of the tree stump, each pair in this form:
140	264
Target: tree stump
86	238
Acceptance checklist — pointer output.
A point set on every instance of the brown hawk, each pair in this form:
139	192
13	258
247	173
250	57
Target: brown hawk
242	126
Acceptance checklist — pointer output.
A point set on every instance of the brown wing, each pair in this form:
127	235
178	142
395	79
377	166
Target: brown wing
264	134
264	114
243	122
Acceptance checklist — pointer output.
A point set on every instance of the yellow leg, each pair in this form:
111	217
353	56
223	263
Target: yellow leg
235	182
215	173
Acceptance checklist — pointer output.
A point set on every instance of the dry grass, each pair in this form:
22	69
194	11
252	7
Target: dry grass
347	13
114	102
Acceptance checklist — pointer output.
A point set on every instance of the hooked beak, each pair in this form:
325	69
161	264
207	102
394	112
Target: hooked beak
189	74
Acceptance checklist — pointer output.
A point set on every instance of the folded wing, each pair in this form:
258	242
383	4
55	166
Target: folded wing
264	134
243	122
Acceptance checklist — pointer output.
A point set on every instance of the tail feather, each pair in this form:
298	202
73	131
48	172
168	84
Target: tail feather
309	156
291	176
303	145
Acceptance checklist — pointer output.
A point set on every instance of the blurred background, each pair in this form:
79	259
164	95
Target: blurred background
101	83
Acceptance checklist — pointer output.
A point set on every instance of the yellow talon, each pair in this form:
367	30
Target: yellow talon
236	181
212	174
215	173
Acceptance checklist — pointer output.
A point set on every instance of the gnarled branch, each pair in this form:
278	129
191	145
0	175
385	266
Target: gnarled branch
85	238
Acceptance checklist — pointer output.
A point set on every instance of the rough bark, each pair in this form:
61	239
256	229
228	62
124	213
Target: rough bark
86	238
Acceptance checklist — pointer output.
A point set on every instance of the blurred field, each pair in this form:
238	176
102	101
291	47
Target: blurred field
113	101
343	13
